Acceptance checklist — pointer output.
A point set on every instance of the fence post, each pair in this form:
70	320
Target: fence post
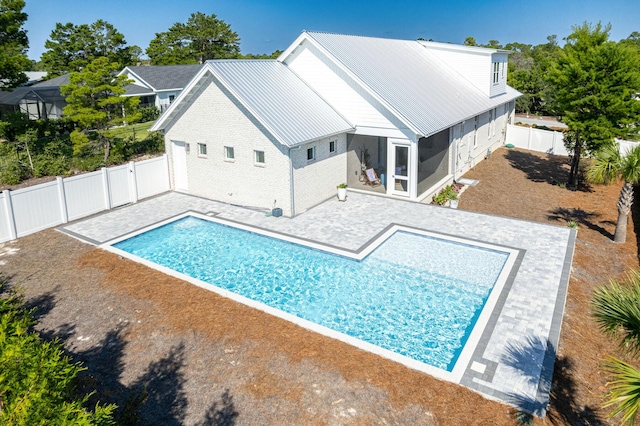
133	182
63	200
106	188
11	220
167	176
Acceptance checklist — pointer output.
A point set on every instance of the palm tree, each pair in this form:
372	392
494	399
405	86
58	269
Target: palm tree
616	309
610	166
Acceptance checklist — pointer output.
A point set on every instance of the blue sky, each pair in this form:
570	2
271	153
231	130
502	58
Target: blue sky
266	26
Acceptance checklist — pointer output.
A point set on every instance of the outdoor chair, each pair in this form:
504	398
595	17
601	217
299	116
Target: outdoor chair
371	177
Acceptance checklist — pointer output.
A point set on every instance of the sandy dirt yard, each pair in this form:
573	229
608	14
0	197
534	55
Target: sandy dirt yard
202	359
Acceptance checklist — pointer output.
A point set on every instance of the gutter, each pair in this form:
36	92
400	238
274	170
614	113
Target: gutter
291	184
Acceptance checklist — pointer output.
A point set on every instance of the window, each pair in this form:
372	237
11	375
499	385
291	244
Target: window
311	154
259	157
228	153
332	146
171	98
202	150
496	72
490	126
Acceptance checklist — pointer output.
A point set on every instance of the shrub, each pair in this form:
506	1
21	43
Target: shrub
88	163
149	114
12	170
45	165
152	144
449	192
36	377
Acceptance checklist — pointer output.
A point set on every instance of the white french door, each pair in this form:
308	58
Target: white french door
400	183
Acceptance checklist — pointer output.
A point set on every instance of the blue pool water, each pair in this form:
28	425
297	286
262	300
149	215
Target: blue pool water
414	295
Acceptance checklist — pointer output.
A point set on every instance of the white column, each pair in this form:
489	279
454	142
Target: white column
133	186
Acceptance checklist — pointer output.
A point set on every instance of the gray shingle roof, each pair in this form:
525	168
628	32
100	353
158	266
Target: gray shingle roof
416	85
54	82
166	77
135	90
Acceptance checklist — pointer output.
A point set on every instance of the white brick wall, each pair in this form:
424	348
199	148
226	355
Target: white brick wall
217	120
315	181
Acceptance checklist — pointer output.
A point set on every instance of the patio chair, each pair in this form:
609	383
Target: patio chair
371	177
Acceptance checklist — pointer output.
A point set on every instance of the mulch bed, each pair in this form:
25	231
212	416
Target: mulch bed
207	360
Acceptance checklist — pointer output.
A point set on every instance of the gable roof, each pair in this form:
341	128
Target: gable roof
412	82
285	105
161	77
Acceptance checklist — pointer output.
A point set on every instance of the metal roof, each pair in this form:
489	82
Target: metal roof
288	108
412	82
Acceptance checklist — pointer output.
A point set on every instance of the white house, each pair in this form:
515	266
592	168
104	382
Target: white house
287	131
158	85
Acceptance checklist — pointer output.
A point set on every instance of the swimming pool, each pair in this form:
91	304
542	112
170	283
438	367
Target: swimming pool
412	295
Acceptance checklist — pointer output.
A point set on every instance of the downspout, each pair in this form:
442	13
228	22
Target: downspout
291	185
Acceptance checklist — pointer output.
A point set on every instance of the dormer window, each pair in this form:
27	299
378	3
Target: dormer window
496	72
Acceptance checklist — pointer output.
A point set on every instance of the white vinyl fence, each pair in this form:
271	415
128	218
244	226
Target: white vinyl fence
549	141
35	208
536	139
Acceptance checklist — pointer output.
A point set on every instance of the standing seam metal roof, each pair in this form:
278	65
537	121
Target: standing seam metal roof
280	100
417	85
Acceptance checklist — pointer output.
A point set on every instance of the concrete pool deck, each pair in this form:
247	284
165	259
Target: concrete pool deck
514	356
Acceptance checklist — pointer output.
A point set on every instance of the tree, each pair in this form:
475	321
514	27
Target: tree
201	38
273	55
616	310
71	47
95	103
596	82
470	41
13	44
493	44
608	167
528	67
36	377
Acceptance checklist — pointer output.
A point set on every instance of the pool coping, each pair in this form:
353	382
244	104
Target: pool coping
467	360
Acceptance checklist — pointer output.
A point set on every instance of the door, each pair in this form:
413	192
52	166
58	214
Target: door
399	184
179	150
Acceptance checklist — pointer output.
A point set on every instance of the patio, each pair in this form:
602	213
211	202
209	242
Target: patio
513	359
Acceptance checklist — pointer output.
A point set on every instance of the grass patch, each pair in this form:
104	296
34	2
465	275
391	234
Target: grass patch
140	130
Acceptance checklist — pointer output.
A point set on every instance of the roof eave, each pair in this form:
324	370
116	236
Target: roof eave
329	135
140	79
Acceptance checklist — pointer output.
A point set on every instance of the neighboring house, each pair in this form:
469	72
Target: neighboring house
287	131
40	101
158	85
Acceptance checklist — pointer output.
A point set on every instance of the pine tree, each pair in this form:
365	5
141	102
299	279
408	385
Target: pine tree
596	82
